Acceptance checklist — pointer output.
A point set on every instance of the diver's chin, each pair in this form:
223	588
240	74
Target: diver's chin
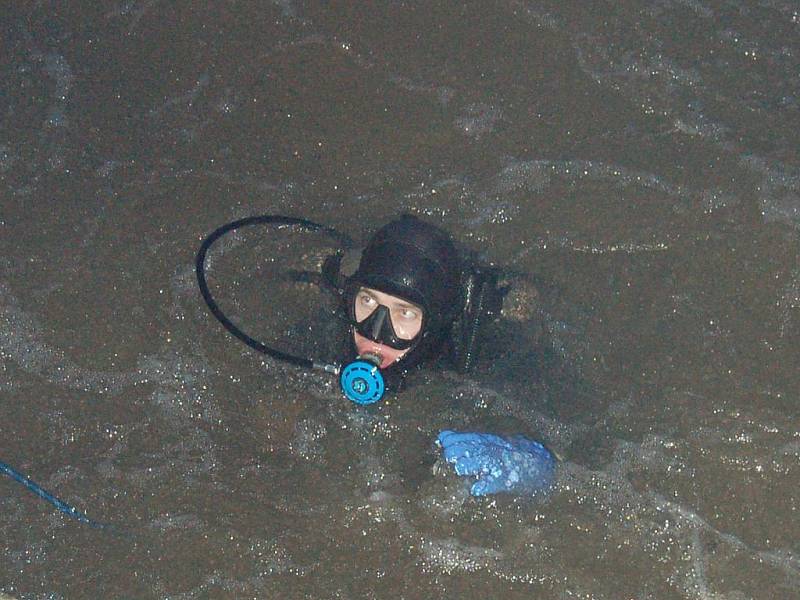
388	355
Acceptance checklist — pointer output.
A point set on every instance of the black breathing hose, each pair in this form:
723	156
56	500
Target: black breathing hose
278	220
300	361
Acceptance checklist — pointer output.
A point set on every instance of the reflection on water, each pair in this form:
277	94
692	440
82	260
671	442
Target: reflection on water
634	164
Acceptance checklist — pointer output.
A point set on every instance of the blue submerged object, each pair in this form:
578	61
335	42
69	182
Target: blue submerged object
512	464
362	382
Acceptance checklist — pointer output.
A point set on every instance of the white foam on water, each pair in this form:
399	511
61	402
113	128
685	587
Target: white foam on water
22	342
477	120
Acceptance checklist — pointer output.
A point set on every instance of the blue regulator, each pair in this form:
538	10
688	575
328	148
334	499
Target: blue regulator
361	380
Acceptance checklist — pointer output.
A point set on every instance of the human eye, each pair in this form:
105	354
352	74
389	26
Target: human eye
366	299
409	314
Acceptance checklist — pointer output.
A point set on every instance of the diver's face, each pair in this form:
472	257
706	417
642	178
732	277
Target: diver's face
405	316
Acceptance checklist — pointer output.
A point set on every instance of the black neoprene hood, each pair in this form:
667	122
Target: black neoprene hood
418	262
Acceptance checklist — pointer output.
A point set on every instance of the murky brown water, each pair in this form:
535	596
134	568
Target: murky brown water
638	161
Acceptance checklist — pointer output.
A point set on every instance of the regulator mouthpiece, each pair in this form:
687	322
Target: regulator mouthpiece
362	381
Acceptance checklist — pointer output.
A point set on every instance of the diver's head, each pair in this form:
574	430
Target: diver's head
406	292
385	325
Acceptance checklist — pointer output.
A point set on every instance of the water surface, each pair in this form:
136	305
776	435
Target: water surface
636	161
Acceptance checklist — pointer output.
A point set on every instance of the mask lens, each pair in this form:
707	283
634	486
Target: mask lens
365	305
405	319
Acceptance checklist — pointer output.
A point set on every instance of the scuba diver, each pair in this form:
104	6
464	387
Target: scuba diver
413	298
405	297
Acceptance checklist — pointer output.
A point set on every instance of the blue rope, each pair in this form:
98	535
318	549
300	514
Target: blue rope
43	493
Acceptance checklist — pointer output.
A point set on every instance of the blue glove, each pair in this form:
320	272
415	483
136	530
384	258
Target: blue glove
501	464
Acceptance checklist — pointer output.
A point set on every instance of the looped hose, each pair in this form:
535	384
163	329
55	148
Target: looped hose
280	221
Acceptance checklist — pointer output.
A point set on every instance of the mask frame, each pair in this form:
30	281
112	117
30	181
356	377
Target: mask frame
377	326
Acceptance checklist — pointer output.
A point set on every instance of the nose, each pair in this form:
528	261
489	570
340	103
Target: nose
381	314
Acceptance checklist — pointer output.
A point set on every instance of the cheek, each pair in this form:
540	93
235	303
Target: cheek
361	311
409	328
